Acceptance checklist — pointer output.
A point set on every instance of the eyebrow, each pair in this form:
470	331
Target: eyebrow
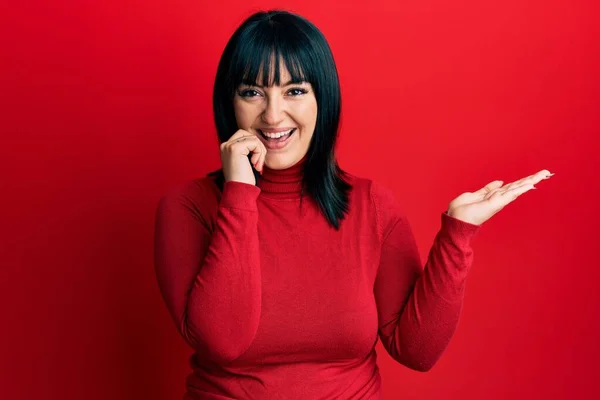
291	82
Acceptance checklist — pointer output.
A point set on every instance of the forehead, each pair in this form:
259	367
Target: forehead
271	71
284	73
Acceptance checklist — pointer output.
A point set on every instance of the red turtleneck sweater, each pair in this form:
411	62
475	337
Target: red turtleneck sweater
279	305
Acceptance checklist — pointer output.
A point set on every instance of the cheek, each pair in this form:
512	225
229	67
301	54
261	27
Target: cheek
307	114
237	110
243	113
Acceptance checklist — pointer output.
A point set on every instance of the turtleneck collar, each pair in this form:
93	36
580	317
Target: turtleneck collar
283	183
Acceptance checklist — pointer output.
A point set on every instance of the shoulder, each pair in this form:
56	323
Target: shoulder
199	196
383	201
360	185
384	196
379	194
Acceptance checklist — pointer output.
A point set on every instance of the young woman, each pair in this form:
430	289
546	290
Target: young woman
281	270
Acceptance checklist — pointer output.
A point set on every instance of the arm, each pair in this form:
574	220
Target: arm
419	307
210	279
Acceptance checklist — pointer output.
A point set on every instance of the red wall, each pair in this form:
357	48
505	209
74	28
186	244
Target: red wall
106	104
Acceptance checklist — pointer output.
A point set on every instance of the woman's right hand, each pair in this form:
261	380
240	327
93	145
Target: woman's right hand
234	157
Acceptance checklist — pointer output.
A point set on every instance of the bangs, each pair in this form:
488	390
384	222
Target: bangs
266	43
260	59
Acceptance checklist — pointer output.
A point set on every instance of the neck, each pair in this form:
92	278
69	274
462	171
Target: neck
283	183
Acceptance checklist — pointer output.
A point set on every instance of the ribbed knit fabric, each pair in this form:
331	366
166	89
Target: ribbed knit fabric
277	304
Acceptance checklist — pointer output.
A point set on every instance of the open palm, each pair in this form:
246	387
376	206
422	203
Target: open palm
477	207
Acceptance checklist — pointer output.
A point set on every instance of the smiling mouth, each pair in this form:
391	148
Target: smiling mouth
277	137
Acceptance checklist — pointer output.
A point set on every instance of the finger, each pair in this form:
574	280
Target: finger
506	196
228	145
531	179
264	156
489	187
238	134
256	155
240	139
260	155
253	144
248	144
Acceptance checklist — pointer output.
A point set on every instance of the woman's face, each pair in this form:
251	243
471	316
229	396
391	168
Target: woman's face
260	110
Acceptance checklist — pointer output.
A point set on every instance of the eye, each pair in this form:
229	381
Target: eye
247	93
299	91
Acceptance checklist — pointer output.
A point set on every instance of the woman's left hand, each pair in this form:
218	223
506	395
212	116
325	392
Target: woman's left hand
477	207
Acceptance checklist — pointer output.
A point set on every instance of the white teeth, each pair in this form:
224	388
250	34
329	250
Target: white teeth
276	135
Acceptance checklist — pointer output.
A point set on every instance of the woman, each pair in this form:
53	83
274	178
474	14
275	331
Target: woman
281	270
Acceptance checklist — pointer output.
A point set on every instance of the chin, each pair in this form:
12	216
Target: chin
279	161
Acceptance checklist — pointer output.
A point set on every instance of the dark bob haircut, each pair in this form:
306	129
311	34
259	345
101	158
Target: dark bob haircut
277	35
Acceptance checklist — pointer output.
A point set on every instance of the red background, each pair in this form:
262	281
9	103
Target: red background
106	104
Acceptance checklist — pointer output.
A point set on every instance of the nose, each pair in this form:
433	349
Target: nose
273	113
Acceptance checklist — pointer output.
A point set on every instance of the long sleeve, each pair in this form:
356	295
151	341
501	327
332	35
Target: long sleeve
209	272
419	307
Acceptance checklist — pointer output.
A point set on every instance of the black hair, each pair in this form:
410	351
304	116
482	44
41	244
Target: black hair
268	36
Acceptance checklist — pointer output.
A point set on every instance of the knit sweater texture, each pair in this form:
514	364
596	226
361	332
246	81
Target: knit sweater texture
277	304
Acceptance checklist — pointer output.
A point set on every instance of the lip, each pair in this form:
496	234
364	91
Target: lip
276	145
275	130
